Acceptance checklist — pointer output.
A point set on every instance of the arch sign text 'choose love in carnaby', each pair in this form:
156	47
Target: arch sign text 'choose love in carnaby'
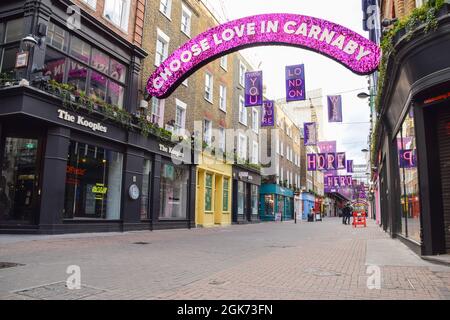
355	52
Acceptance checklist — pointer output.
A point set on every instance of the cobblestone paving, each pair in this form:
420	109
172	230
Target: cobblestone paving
322	260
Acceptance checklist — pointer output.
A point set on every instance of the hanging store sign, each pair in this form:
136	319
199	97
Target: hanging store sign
341	161
253	89
310	133
334	108
408	159
327	162
295	83
268	114
347	47
338	181
349	166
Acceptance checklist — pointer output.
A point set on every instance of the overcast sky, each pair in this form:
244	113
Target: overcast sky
321	72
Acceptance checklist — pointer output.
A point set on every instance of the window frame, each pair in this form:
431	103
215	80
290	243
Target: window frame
243	110
124	17
180	105
242	71
169	9
185	9
211	87
223	98
165	39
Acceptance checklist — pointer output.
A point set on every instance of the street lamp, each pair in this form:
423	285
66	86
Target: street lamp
364	150
364	95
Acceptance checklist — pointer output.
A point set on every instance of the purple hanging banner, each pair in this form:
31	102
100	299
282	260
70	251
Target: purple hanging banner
295	83
334	109
349	166
407	159
253	89
321	161
331	161
311	161
341	163
310	133
268	114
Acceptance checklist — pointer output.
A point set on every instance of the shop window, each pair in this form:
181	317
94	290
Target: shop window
255	195
98	86
14	30
77	75
241	197
118	71
100	61
93	182
208	192
409	224
174	191
269	204
9	59
19	181
115	94
146	190
55	65
80	50
226	194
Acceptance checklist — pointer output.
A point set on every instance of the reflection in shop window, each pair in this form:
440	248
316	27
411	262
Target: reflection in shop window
269	204
409	224
255	194
146	190
54	65
18	182
77	75
115	94
208	192
98	86
9	60
80	49
173	191
93	182
241	197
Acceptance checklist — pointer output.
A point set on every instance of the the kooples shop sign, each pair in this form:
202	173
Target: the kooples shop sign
82	121
171	151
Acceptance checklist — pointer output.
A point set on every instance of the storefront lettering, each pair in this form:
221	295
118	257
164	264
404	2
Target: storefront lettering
170	150
76	171
94	126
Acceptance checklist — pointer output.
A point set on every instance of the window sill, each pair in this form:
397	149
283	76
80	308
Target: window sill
210	101
187	35
244	124
223	110
124	30
166	16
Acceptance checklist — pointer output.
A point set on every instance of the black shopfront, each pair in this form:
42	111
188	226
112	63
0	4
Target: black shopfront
246	185
413	158
66	164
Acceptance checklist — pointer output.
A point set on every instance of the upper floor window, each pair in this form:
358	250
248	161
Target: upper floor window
242	146
186	16
180	116
162	47
118	11
156	111
57	37
91	3
255	120
165	6
208	87
242	111
242	71
14	30
224	63
207	131
223	98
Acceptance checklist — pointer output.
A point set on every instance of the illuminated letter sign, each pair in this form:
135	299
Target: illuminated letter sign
321	161
407	159
341	164
268	114
347	47
295	83
331	161
253	89
312	162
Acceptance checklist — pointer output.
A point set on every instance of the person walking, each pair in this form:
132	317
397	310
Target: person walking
349	212
344	214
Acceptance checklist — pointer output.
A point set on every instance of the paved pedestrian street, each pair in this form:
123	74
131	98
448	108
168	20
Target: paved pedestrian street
278	260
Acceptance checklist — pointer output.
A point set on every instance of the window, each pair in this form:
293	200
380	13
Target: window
57	37
55	65
208	192
118	11
186	16
180	116
174	191
208	87
409	221
226	194
100	61
156	111
162	47
269	204
146	189
80	50
241	197
255	195
242	111
224	63
242	147
93	182
14	30
117	70
223	98
77	75
255	153
9	60
207	131
222	140
242	71
165	7
98	86
282	148
185	82
91	3
255	120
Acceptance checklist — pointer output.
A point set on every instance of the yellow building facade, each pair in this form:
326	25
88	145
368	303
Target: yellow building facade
214	192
